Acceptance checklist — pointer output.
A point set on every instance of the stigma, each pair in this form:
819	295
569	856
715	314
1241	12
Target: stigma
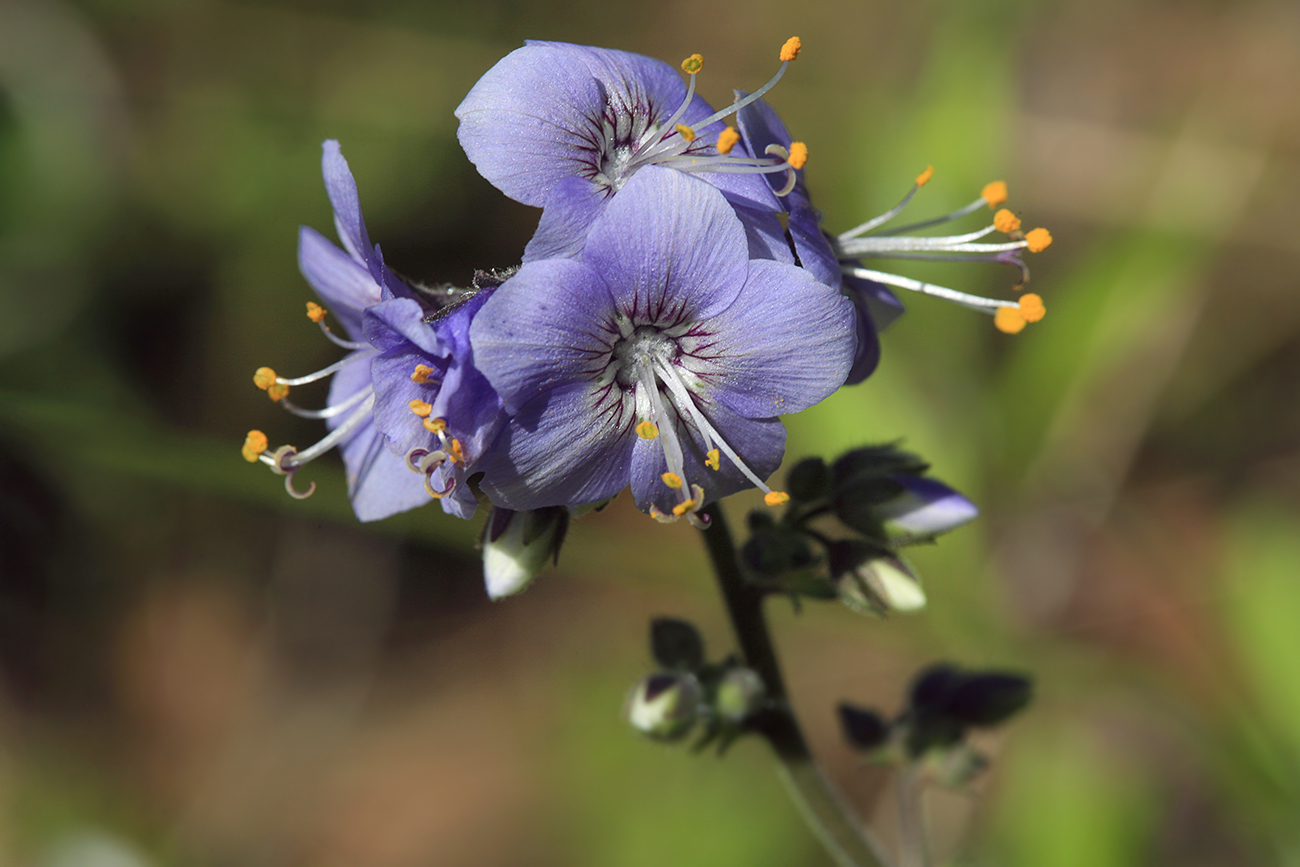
869	241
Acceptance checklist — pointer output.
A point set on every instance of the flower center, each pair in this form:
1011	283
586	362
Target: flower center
646	343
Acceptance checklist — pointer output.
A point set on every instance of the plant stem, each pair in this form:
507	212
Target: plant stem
823	808
911	821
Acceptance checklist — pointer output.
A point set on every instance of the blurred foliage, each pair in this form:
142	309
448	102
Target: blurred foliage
197	670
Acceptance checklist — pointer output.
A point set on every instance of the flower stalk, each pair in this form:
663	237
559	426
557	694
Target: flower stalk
823	808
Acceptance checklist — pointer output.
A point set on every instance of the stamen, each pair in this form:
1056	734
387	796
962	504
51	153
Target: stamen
315	312
1038	240
712	460
672	480
798	154
421	408
329	370
995	193
727	140
684	402
647	430
776	498
1006	222
921	180
435	425
1009	320
339	341
685	132
254	444
422	374
974	302
340	433
1031	307
683	507
789	51
278	392
693	64
329	411
264	378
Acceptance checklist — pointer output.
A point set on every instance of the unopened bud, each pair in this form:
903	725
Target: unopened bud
739	695
879	583
665	706
517	545
924	509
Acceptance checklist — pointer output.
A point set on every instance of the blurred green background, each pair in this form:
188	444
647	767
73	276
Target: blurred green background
197	670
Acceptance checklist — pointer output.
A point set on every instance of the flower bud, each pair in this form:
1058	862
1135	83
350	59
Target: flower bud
665	706
871	579
740	693
924	509
516	546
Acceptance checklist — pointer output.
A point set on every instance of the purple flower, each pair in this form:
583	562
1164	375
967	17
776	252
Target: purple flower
761	127
566	126
660	358
349	280
923	509
435	408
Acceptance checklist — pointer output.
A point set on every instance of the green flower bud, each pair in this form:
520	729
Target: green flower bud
740	693
517	545
665	706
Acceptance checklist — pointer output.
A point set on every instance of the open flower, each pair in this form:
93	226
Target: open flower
660	358
567	126
434	407
349	280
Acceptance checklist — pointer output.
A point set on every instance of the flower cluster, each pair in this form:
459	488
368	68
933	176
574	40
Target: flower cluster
678	296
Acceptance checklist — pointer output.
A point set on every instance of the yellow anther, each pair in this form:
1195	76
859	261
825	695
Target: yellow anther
727	140
994	193
1005	221
1038	240
924	177
254	444
435	425
693	64
672	480
790	50
776	498
315	312
422	373
1009	320
685	132
683	507
1031	307
798	154
713	459
421	408
278	391
455	453
647	430
264	378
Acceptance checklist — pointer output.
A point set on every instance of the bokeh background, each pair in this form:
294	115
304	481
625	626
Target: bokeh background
197	670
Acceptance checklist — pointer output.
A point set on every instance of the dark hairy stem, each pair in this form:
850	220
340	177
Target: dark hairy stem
827	814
